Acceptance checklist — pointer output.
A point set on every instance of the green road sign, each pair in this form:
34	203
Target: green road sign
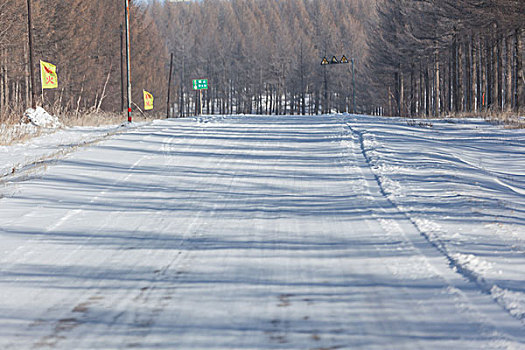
200	84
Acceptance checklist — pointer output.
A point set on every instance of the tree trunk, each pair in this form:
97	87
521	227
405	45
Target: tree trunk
508	73
519	71
401	94
303	101
468	74
427	92
444	83
271	99
450	81
317	101
421	97
461	77
397	94
479	75
499	72
437	87
2	89
390	102
412	92
488	75
454	87
475	76
27	78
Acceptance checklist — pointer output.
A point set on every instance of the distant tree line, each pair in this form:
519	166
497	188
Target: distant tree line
431	57
264	56
412	57
82	38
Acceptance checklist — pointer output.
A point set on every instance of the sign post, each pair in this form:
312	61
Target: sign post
200	84
353	87
169	87
343	60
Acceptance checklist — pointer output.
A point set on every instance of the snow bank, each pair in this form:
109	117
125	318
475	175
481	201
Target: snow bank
32	124
40	117
48	145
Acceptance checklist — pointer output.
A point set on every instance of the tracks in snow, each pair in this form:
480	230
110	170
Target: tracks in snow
455	261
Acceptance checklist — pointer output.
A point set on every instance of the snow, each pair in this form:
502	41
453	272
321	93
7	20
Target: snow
40	117
35	122
259	232
53	144
461	182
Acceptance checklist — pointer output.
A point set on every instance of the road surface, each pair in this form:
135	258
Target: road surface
232	233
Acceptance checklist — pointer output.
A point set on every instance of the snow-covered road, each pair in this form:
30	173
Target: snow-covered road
289	232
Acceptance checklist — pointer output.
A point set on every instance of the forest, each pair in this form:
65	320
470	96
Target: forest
265	56
83	39
406	57
459	57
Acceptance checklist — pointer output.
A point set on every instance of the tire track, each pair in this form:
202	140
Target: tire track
455	265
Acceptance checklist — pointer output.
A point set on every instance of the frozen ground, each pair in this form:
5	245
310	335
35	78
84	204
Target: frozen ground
281	232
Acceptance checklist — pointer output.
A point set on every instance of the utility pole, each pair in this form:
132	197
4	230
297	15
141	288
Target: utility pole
121	69
183	79
353	88
30	39
325	100
303	107
128	65
169	87
325	103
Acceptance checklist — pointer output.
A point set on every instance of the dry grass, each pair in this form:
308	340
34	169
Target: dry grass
16	129
10	134
511	120
101	118
12	130
9	119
